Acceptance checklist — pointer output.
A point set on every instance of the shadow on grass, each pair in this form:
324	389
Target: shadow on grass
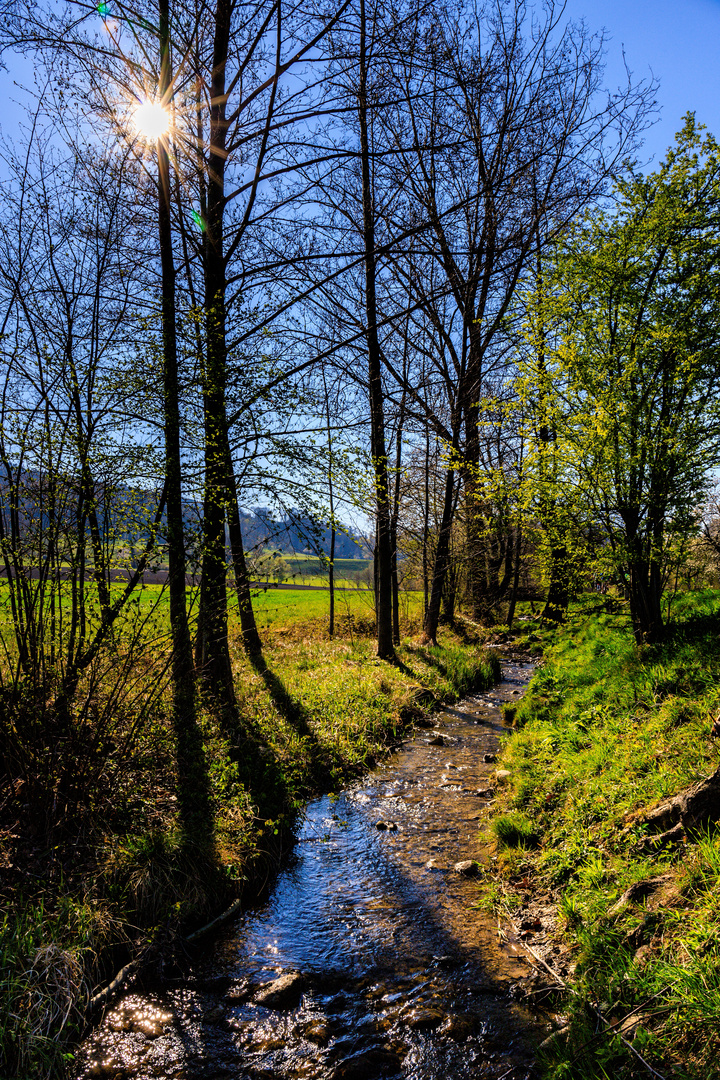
429	655
197	820
468	634
276	786
699	630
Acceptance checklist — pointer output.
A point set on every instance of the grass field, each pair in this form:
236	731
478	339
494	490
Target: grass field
273	607
308	570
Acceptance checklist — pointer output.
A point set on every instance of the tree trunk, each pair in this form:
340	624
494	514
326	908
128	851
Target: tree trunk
394	523
432	617
193	796
331	580
449	593
474	526
426	529
558	597
394	582
516	577
248	625
646	600
333	530
383	543
213	651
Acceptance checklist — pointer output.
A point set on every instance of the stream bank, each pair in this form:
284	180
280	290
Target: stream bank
370	957
613	766
114	883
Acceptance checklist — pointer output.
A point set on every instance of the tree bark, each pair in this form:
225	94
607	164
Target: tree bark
248	626
558	597
394	524
474	539
333	531
331	580
645	594
383	542
516	577
426	529
432	617
213	651
194	805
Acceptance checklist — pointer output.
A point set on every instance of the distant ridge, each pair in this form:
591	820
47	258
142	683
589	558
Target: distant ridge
295	533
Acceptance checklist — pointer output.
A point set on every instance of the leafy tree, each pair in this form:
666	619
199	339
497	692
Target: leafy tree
501	140
637	363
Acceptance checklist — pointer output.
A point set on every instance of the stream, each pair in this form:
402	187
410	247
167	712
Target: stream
370	957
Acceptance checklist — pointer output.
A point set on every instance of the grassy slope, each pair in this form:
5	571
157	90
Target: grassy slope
321	712
605	731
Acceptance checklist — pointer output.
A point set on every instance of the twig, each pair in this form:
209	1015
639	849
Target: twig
619	1023
101	997
597	1012
235	906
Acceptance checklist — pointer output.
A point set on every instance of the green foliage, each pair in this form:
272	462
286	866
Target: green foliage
515	830
609	729
620	372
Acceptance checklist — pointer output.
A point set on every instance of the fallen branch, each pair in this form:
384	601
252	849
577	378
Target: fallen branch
101	997
235	906
559	979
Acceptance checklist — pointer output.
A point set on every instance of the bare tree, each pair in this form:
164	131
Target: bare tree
501	137
70	514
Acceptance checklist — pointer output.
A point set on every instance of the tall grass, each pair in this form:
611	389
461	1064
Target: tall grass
319	712
43	987
606	731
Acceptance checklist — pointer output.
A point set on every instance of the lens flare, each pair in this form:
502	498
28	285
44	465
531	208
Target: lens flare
151	120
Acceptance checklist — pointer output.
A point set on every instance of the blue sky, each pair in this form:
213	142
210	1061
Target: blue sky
678	41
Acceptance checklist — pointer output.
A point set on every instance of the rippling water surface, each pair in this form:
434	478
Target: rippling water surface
389	968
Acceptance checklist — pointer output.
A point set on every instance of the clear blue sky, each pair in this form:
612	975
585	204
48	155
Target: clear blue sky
678	41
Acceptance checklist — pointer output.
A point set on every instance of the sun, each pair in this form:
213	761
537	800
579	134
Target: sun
151	120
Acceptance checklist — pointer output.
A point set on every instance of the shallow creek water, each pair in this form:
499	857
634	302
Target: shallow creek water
400	974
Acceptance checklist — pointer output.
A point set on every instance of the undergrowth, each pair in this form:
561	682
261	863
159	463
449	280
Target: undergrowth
117	879
605	731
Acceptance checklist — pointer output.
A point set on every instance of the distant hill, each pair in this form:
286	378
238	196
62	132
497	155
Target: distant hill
127	513
296	533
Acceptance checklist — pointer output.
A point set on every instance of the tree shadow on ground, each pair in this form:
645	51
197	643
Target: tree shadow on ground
697	630
195	810
408	949
274	789
425	653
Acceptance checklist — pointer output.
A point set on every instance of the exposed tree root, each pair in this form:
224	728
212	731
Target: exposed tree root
694	808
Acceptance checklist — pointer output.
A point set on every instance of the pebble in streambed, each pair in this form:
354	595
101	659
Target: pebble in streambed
370	958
